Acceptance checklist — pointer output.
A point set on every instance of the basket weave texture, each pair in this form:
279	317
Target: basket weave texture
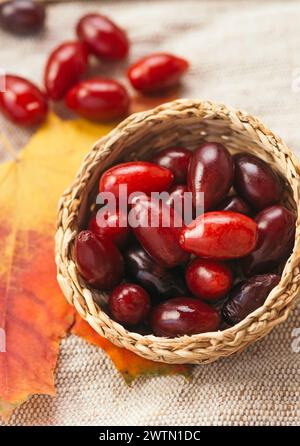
183	122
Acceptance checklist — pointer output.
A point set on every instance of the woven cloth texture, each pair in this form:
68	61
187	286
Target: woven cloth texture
244	54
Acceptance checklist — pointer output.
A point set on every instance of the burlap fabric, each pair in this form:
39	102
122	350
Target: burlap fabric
245	54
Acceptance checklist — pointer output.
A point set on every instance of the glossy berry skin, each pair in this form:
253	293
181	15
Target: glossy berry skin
176	195
65	66
235	204
276	234
110	225
211	173
129	304
176	159
98	99
207	279
247	296
160	282
161	242
22	16
183	316
98	261
103	37
256	182
181	201
23	102
156	72
220	235
138	176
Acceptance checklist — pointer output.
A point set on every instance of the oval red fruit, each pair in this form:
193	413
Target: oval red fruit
138	176
112	225
159	237
103	37
65	66
235	204
255	181
98	99
157	72
183	316
276	234
98	261
176	159
23	102
211	174
220	235
160	282
247	296
207	279
22	16
129	304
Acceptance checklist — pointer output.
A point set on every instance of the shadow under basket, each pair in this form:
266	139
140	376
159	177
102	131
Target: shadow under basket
188	123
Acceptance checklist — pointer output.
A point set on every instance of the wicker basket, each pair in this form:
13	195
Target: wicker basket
182	122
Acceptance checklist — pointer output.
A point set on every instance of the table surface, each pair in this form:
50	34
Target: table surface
244	54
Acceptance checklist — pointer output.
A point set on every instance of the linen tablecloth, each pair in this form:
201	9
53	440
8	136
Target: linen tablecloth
245	54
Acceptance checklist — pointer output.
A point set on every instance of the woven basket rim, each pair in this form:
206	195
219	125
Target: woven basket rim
72	280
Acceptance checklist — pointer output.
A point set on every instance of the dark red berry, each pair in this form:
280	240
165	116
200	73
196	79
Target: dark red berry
247	296
103	37
129	304
207	279
22	16
276	234
183	316
112	225
160	239
176	159
98	261
256	182
211	174
160	282
180	199
235	204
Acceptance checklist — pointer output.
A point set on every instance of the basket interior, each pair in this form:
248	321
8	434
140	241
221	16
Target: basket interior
188	132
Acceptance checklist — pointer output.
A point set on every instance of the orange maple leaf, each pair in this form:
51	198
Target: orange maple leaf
34	316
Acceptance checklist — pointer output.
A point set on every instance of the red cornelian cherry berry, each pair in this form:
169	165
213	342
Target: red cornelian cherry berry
22	16
247	296
220	235
176	159
178	201
65	66
256	182
207	279
210	173
112	225
138	176
98	99
235	204
23	102
160	282
103	37
129	304
156	72
276	235
98	261
183	316
158	237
